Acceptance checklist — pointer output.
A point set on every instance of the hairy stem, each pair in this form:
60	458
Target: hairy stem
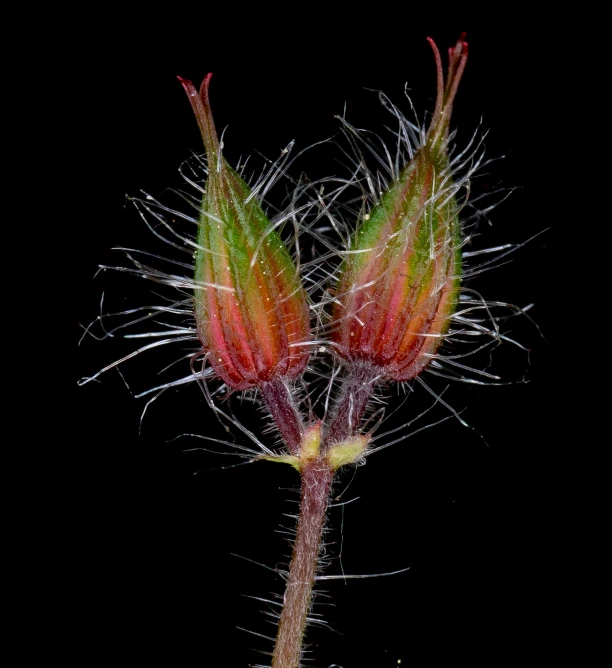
284	413
316	485
351	404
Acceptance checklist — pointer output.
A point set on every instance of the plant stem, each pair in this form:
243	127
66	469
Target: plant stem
284	413
316	485
317	478
351	404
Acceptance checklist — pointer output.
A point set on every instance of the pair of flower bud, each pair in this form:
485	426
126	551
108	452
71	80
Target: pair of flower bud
398	284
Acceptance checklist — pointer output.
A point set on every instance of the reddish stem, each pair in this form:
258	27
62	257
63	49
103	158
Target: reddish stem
284	413
316	485
351	404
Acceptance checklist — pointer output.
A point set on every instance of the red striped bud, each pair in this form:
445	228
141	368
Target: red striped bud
400	280
251	309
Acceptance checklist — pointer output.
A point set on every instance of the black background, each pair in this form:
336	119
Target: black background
470	514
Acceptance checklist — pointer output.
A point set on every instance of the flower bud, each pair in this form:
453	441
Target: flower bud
250	307
399	283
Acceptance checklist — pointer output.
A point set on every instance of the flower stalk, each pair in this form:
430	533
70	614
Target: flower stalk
317	467
351	404
284	412
316	485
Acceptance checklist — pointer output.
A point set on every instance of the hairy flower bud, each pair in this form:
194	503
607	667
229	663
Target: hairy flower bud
399	283
251	310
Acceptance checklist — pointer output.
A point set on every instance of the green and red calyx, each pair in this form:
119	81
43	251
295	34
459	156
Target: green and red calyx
250	307
400	282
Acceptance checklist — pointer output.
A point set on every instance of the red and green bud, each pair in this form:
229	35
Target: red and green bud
251	310
400	282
